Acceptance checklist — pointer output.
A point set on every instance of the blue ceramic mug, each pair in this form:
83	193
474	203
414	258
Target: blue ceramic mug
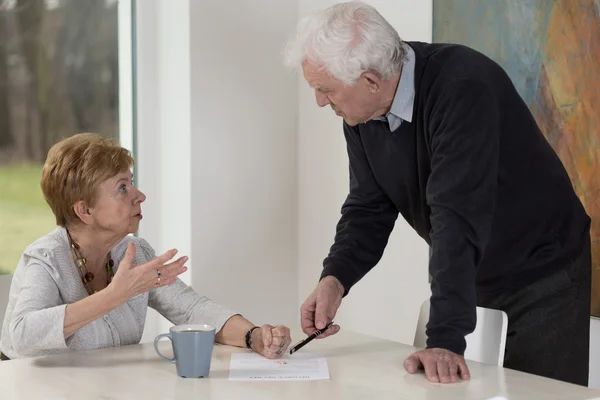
192	349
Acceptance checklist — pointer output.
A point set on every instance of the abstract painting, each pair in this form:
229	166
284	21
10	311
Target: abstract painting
551	50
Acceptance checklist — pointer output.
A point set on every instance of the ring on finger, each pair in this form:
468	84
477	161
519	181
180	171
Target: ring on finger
158	274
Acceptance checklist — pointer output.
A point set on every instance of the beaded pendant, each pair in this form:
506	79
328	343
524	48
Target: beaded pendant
81	262
88	277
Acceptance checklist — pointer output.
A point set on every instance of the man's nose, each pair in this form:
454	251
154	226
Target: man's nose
322	99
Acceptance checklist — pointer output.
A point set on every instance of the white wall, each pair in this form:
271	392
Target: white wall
163	131
244	169
386	302
216	150
219	126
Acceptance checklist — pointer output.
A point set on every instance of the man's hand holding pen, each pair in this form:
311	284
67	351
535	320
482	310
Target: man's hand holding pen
320	307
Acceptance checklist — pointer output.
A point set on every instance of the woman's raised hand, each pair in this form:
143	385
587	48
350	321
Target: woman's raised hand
132	280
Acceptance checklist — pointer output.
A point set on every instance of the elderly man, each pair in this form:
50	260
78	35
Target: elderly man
438	133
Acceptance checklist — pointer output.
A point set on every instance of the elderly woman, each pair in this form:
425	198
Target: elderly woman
87	284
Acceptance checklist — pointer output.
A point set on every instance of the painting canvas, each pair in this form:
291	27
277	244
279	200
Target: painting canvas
551	51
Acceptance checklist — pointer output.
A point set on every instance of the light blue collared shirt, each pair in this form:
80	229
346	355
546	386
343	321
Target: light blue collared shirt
402	106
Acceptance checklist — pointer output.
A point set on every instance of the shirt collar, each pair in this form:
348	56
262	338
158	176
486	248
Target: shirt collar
402	105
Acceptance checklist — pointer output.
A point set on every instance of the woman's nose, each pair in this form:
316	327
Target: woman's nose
140	198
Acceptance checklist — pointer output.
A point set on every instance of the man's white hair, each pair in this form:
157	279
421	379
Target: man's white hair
347	39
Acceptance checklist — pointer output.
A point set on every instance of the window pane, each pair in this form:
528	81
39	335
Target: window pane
59	75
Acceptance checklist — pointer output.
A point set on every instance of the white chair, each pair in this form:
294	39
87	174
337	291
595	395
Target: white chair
487	342
5	281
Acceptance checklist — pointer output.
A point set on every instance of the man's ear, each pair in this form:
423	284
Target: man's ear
372	80
83	212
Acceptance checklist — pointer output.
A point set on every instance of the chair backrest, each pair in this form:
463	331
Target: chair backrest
487	342
5	281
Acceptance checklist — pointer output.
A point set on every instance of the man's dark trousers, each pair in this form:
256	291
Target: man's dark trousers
549	322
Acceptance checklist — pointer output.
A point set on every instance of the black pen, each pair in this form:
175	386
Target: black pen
304	342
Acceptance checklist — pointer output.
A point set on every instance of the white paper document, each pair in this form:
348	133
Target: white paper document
254	367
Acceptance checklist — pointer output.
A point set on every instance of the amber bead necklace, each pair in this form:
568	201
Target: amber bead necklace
81	264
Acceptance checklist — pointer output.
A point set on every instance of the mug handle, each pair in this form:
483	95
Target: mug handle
163	335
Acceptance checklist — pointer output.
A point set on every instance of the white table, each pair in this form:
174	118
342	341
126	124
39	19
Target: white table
361	367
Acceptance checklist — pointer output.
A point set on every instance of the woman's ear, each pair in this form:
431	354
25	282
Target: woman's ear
83	212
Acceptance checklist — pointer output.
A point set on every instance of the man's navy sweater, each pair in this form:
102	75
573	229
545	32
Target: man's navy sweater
474	176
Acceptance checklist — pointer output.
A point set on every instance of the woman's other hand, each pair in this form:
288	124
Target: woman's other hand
132	280
271	341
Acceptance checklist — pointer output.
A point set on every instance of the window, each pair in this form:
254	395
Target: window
65	68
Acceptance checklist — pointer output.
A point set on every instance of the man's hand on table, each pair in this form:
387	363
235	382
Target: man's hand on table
440	365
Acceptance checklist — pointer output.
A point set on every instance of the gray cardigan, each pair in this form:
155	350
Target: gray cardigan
46	280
